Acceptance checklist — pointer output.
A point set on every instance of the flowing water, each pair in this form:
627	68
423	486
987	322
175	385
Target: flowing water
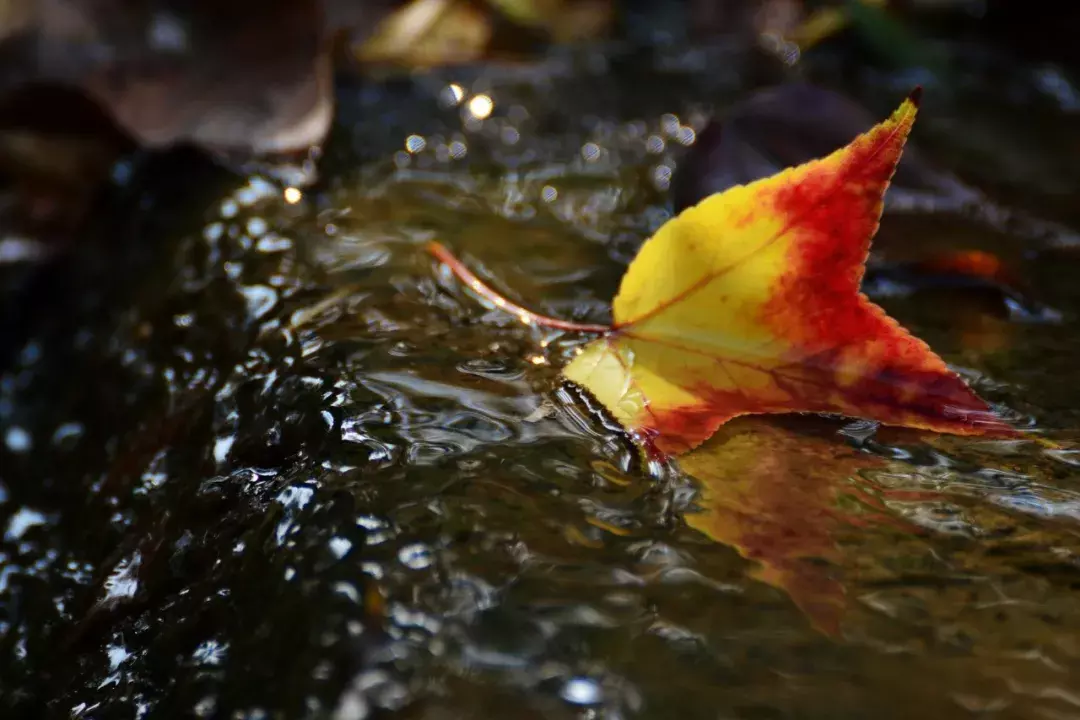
263	457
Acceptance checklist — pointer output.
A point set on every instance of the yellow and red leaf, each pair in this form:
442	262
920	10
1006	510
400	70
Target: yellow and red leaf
749	302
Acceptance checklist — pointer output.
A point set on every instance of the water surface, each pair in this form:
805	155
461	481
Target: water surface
282	464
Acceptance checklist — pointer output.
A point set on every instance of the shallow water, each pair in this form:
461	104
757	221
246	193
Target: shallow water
283	464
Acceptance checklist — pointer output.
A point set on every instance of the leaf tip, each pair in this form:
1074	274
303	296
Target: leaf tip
915	98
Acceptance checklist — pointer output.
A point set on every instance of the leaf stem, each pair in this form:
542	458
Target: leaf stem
528	317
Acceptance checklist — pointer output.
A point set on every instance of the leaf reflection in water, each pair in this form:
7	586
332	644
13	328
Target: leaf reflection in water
777	491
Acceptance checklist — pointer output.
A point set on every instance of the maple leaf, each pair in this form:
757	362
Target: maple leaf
749	302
